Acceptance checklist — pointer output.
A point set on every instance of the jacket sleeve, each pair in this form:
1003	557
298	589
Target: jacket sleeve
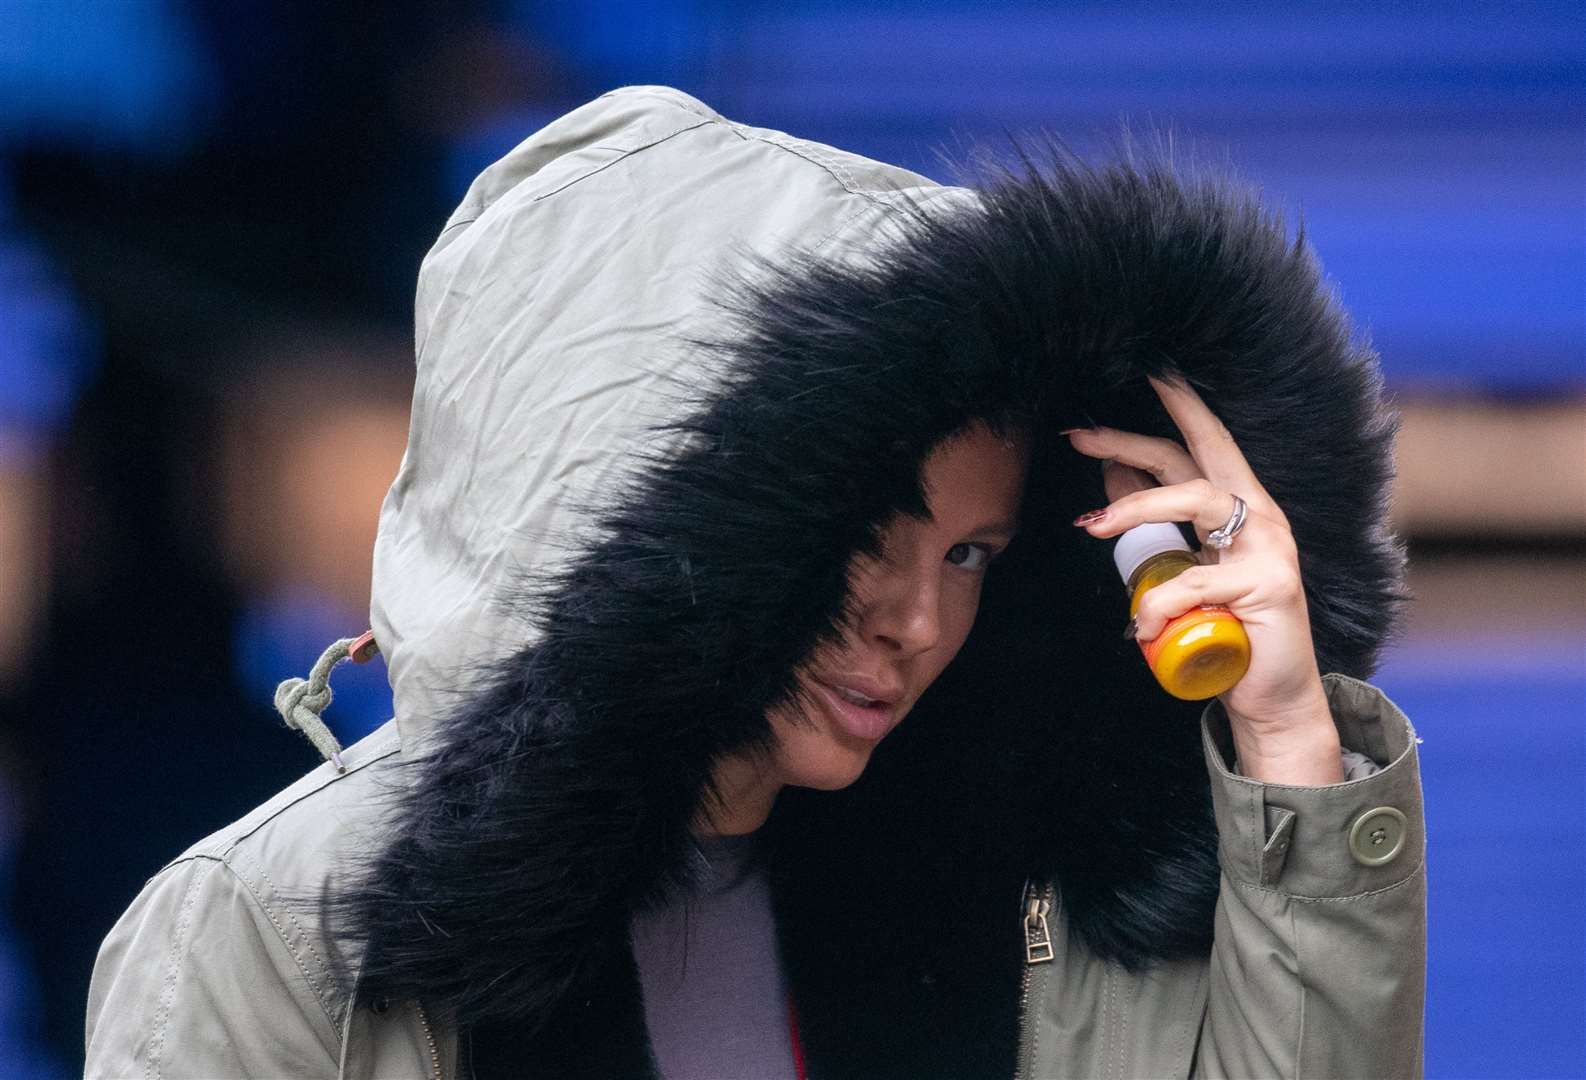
1318	967
195	980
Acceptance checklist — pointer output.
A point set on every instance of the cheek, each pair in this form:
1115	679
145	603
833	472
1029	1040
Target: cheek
958	618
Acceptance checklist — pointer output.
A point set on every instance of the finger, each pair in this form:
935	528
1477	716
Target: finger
1242	586
1210	443
1120	480
1196	501
1164	459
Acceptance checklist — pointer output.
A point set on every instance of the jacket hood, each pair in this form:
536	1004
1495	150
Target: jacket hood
673	372
558	321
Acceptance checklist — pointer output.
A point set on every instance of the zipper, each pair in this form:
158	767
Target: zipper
429	1037
1037	934
1035	904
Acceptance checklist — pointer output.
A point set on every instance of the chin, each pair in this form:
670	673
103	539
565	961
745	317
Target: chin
830	771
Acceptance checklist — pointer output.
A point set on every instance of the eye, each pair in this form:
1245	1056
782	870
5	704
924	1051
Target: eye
976	557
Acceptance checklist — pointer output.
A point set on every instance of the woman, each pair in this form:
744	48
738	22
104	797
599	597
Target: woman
697	768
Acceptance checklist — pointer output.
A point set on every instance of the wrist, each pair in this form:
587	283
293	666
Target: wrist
1298	746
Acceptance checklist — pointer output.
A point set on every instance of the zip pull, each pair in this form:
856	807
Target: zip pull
1037	935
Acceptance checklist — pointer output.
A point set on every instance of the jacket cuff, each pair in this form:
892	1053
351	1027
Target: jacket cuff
1331	841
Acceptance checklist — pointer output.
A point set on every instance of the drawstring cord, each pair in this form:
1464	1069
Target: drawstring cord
300	701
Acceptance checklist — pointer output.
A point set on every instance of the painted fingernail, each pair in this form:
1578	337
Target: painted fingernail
1131	630
1090	517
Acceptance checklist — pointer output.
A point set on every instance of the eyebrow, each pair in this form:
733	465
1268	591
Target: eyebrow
1006	529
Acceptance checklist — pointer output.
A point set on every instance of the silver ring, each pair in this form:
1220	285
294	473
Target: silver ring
1221	538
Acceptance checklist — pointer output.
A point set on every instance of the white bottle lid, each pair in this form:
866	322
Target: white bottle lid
1143	541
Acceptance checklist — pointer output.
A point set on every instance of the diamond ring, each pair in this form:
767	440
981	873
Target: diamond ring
1221	538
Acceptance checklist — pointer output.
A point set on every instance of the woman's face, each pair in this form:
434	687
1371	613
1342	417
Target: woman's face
917	604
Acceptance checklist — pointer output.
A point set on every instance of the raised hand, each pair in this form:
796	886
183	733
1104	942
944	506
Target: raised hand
1282	727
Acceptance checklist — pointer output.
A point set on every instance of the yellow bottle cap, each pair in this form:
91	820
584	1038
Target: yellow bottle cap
1201	654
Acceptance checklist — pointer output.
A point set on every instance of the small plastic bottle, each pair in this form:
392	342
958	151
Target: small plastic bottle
1204	651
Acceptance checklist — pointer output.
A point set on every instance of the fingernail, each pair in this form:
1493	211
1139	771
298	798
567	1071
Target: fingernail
1090	517
1070	430
1132	629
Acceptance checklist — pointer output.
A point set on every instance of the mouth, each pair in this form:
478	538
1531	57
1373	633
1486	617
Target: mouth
856	714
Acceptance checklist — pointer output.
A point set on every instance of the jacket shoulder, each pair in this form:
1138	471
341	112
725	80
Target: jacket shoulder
198	979
311	807
229	929
289	852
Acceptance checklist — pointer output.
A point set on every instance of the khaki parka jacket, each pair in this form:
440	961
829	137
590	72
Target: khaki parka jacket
670	368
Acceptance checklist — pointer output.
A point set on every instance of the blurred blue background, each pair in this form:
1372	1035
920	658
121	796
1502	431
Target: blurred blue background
204	207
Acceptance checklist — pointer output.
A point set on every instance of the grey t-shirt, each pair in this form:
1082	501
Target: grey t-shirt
715	999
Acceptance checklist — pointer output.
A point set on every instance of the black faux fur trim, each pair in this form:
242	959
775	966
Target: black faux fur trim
560	798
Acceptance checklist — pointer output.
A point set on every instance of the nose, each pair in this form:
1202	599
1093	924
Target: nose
903	611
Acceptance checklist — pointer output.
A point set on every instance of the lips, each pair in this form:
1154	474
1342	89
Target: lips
865	686
870	722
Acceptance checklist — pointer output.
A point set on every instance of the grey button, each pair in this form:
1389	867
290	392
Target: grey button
1377	836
